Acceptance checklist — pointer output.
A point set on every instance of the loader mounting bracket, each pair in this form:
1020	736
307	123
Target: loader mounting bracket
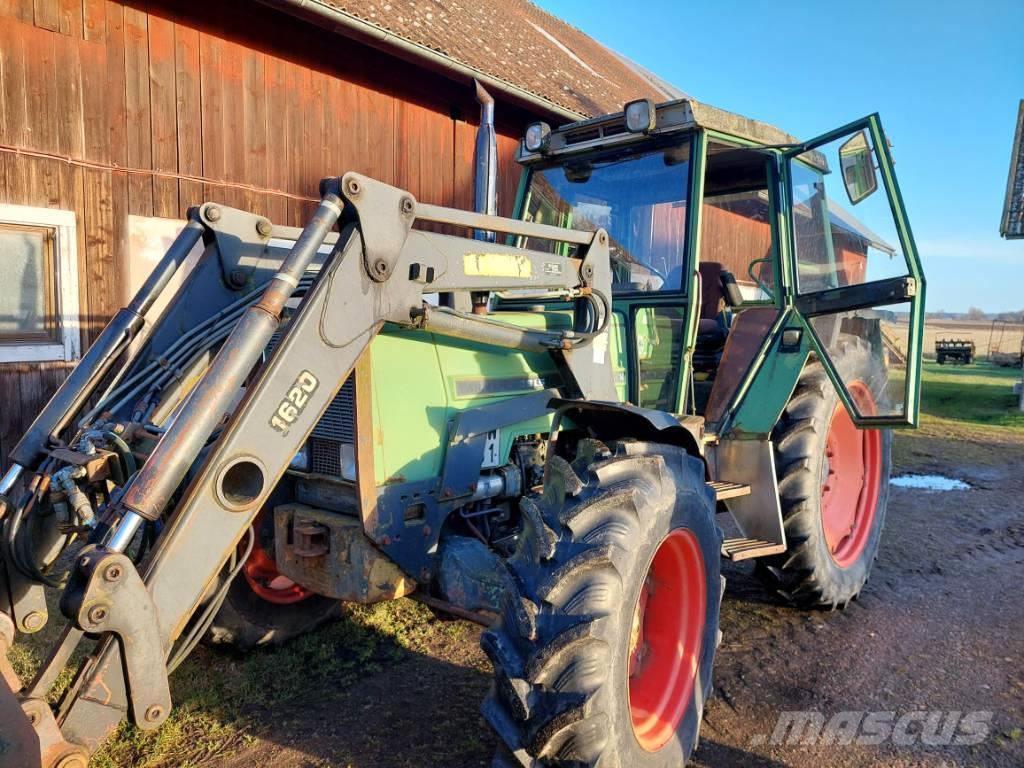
106	594
386	215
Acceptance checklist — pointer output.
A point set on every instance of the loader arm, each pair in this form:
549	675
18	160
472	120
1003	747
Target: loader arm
208	493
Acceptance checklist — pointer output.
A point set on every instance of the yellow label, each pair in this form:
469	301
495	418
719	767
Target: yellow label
497	265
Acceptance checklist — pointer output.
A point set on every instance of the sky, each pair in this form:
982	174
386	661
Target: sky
946	78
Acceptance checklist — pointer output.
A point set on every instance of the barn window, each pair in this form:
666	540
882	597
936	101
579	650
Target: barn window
39	285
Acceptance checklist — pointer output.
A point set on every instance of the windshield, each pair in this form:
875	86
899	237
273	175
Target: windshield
640	199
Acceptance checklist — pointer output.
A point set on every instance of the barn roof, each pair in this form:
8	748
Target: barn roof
512	41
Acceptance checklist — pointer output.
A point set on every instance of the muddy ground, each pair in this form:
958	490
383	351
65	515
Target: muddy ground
939	628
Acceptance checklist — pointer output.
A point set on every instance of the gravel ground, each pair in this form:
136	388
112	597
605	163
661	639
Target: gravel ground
937	630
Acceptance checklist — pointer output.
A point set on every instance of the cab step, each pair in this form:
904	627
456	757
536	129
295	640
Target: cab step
744	549
726	490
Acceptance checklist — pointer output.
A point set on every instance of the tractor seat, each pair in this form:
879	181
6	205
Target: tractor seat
719	293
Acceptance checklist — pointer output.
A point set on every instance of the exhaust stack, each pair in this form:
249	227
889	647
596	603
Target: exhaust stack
485	159
485	180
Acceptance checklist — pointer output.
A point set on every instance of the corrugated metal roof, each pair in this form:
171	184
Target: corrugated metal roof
518	42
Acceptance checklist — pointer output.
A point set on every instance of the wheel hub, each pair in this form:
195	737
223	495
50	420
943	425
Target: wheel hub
260	571
666	638
851	478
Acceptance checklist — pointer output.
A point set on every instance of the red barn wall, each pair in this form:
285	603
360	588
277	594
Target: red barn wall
255	107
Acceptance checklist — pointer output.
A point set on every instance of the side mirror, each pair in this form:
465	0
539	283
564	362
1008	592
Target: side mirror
858	167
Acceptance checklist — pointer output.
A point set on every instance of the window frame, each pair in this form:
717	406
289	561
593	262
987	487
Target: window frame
673	140
63	284
876	293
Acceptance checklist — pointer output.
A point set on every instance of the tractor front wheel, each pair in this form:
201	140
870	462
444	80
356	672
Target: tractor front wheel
833	486
263	607
604	649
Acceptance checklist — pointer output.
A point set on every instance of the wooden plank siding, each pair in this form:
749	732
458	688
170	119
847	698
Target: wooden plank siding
230	93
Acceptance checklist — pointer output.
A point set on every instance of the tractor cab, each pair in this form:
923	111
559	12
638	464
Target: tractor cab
736	252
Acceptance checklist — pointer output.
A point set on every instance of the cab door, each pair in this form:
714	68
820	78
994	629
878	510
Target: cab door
855	277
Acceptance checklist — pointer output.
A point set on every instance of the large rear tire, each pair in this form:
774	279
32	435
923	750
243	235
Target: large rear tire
833	486
604	649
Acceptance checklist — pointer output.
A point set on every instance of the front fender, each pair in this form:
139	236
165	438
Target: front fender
606	420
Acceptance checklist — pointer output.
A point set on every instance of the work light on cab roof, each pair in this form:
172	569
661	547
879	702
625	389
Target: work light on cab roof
641	116
537	136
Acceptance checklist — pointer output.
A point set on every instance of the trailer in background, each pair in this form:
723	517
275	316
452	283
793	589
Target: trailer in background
954	350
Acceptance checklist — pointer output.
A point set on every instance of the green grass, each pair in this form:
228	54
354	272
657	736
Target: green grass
979	394
220	697
965	410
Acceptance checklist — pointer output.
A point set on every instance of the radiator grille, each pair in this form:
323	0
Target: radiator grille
324	457
339	421
336	427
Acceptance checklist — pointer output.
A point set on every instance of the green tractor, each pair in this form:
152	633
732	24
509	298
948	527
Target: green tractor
549	422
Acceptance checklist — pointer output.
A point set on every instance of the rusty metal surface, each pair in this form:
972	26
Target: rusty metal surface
366	482
97	465
7	673
328	553
210	401
29	735
19	744
106	594
283	401
54	751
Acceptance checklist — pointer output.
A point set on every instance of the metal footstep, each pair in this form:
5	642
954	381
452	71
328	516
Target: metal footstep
744	549
726	490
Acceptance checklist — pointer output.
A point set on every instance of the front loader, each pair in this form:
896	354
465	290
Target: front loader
547	420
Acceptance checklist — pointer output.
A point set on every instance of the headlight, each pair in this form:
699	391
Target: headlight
537	137
348	462
641	116
300	460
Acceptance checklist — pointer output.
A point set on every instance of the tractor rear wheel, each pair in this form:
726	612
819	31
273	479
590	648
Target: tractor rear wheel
264	608
604	648
833	485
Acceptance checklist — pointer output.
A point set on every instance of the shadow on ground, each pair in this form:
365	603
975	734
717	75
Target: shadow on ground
937	629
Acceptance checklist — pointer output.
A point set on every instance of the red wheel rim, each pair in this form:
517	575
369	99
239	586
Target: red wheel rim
260	571
851	480
666	639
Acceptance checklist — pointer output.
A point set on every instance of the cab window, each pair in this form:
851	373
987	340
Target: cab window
638	198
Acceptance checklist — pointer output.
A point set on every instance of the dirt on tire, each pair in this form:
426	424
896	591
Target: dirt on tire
937	629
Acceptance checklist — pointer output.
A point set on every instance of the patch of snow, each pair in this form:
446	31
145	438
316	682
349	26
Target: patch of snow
930	483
